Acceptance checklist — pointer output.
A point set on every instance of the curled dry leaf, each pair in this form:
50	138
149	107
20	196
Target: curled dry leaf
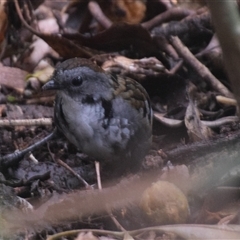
140	68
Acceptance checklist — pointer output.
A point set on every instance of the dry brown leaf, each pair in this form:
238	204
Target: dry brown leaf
112	38
13	78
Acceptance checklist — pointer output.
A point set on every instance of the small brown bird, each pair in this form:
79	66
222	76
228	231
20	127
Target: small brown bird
107	117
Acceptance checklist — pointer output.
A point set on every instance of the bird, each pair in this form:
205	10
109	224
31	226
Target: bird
106	116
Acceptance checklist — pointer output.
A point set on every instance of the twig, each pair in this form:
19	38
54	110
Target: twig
74	233
98	14
171	14
221	121
23	20
32	157
26	122
226	101
165	46
13	158
97	168
226	20
116	222
167	4
202	70
180	230
176	67
174	123
63	164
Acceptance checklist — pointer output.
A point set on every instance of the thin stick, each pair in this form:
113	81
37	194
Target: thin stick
78	176
226	101
202	70
116	222
98	14
13	158
63	164
97	168
174	123
225	16
169	15
99	182
26	122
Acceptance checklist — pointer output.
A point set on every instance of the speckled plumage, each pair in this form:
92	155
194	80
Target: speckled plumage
108	118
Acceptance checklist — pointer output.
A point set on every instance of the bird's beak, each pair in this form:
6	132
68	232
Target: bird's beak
51	85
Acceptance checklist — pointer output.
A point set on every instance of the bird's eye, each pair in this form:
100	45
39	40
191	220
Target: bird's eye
77	81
